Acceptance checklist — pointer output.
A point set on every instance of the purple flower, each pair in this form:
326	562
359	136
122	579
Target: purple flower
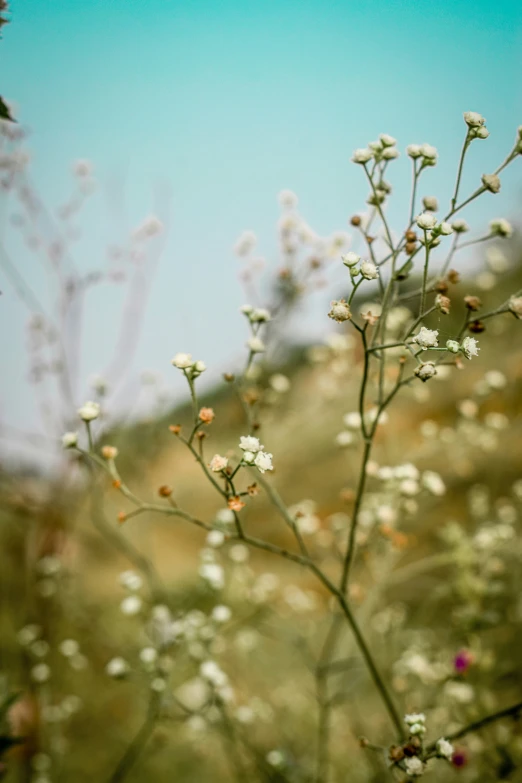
462	661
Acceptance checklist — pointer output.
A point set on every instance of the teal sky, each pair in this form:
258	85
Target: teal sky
220	105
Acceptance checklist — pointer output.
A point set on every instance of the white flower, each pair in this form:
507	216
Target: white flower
369	271
433	483
218	463
197	368
414	766
418	729
387	141
249	443
89	411
148	655
221	614
459	226
444	748
287	199
41	672
216	538
426	338
352	420
245	243
263	461
256	345
473	119
260	315
414	717
445	228
183	361
213	574
249	457
389	153
130	580
430	203
340	310
69	648
515	305
131	605
280	383
246	309
350	259
501	227
491	182
429	153
211	672
362	155
69	440
414	150
426	221
117	667
425	371
470	347
344	439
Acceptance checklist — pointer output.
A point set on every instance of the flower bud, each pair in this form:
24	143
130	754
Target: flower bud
472	303
362	156
491	182
350	259
340	311
430	203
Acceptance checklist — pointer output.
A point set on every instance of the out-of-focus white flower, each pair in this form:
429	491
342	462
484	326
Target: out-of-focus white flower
473	119
287	199
131	605
215	539
249	443
260	315
425	371
444	748
426	338
362	155
418	729
414	717
387	140
150	227
460	226
218	463
183	361
429	153
352	420
245	243
369	271
221	614
69	440
433	483
256	345
414	766
131	580
263	461
350	259
445	228
344	439
501	227
117	668
430	203
69	647
470	347
148	655
280	383
426	221
211	672
41	672
515	306
89	411
390	153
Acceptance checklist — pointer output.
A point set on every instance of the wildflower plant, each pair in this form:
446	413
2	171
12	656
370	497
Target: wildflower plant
395	347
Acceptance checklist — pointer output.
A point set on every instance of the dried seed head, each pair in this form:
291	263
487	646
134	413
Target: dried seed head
164	491
109	452
453	276
355	220
442	287
472	303
477	327
228	377
410	248
396	753
206	415
411	236
175	429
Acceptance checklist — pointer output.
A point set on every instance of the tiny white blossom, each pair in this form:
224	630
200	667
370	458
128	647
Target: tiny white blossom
414	717
352	420
250	443
213	574
369	271
131	605
430	203
245	243
340	309
418	729
426	338
414	150
491	182
216	538
390	153
470	347
117	667
387	140
362	155
473	119
41	672
344	439
350	259
426	221
445	228
218	463
130	580
256	345
287	199
414	766
260	315
69	440
453	346
460	226
148	655
501	227
429	153
198	367
433	483
425	371
444	748
89	411
263	461
221	614
183	361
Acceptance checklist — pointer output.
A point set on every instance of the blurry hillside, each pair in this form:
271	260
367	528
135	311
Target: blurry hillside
60	570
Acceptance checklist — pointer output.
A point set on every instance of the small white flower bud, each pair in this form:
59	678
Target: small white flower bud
460	226
429	153
369	271
445	228
501	227
256	345
481	133
340	311
453	346
390	153
387	140
425	371
362	156
350	259
414	150
444	748
426	338
89	411
69	440
183	361
430	203
218	463
473	119
491	182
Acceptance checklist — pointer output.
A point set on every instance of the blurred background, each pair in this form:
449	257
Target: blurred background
140	207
